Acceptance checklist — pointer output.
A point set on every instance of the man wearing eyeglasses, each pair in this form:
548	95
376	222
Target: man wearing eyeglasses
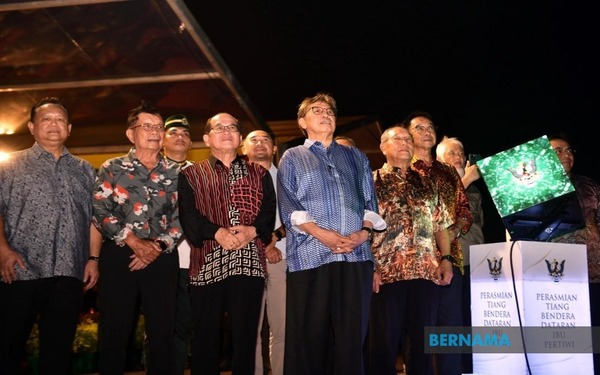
328	205
588	194
177	143
135	207
446	299
406	254
227	207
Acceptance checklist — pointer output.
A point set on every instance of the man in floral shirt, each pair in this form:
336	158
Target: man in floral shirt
135	207
409	271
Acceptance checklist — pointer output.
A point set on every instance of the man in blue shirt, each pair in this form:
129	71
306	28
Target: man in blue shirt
329	208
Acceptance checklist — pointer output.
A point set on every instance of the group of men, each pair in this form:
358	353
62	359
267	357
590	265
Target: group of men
197	240
346	261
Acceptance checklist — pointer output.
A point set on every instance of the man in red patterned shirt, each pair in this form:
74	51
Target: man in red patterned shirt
227	211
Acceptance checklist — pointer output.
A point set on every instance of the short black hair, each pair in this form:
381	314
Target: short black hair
49	100
560	135
414	114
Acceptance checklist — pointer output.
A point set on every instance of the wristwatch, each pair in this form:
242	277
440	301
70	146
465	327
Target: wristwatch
370	230
278	234
163	245
449	258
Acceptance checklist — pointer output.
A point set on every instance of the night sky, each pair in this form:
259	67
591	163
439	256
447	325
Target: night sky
494	74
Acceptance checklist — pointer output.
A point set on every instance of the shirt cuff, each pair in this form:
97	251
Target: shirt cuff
122	235
299	218
378	223
167	240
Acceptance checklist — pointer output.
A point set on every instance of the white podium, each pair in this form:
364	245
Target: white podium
549	299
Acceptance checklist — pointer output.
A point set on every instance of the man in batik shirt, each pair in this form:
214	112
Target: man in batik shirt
228	213
452	192
328	205
409	270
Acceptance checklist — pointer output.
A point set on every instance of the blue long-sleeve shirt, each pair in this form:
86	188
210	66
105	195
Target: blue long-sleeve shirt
333	187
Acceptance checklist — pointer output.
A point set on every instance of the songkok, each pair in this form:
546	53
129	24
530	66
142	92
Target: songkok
177	121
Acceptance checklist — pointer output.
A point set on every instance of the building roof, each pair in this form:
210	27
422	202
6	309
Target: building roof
102	57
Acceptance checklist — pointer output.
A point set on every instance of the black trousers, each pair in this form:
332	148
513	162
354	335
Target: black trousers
403	306
183	322
450	314
58	301
241	298
327	314
118	290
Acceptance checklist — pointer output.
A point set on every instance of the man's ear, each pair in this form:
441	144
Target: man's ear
302	123
129	134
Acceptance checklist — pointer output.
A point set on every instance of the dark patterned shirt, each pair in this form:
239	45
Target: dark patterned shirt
47	207
588	194
214	196
128	198
334	186
453	194
413	211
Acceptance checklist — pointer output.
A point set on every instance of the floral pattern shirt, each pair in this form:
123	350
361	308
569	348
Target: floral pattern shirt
412	208
129	198
47	209
452	192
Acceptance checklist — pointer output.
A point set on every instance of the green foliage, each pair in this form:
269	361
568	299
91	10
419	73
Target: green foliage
140	333
33	343
86	336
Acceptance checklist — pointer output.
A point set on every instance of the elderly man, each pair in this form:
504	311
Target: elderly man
45	217
451	151
409	270
176	145
228	212
135	206
328	205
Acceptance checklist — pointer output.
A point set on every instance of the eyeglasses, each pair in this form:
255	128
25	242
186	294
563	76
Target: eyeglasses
397	138
223	128
150	127
424	128
559	151
319	111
